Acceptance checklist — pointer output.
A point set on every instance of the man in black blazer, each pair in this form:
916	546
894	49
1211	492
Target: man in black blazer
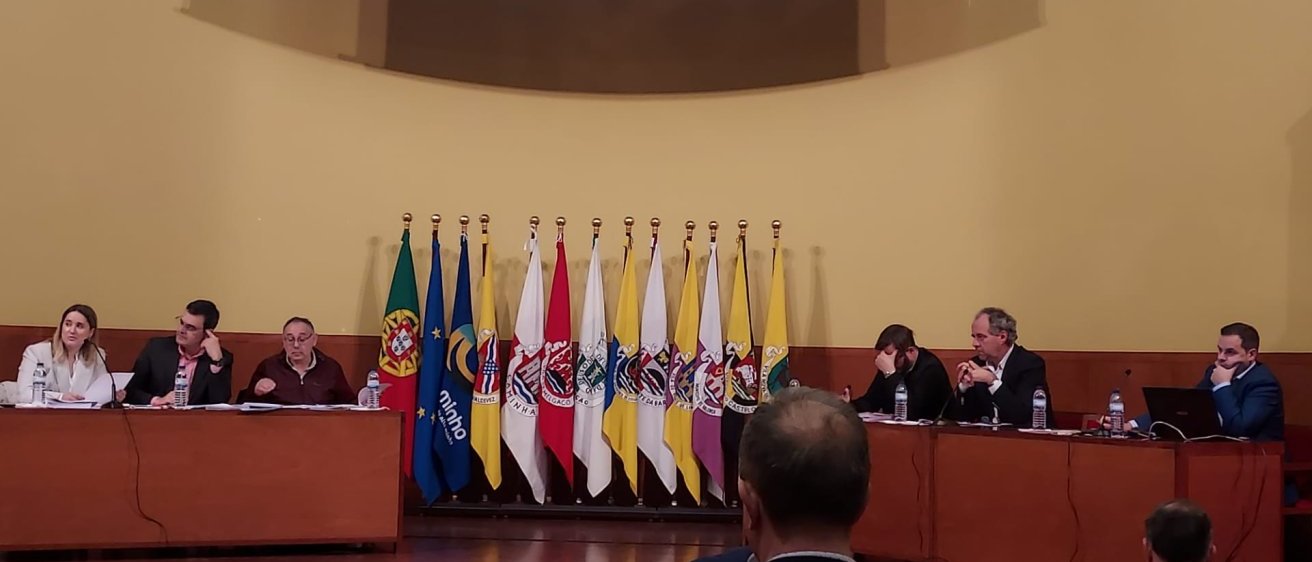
194	349
998	384
804	474
899	360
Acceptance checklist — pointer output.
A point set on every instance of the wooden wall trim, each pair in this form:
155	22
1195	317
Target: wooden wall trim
1080	380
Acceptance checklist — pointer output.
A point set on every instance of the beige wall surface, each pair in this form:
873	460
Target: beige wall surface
1125	175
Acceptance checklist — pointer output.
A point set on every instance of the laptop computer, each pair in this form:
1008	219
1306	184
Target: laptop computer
1191	411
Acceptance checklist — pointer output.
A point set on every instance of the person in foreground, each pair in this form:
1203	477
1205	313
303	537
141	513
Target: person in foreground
899	360
998	384
75	366
804	472
195	350
1178	531
300	373
1247	395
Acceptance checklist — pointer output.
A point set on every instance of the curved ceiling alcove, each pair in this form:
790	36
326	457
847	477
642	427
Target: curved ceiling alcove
628	46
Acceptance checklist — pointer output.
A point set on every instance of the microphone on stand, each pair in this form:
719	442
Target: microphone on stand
113	403
957	396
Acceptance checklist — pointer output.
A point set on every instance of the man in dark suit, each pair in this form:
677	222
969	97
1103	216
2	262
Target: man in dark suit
999	383
804	474
899	361
195	350
1247	395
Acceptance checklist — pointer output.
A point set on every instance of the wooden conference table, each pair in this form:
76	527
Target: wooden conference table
95	478
983	495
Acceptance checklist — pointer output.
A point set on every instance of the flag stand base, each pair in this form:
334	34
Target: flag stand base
567	511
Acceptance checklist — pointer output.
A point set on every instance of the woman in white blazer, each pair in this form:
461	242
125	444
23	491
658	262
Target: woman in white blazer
74	362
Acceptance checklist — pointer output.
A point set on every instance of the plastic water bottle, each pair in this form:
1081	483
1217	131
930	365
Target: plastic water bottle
1116	414
900	402
1039	419
39	385
371	392
180	388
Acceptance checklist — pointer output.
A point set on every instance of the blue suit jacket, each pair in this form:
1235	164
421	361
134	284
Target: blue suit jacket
1252	406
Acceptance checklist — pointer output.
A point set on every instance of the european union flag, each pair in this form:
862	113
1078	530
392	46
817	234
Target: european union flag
431	372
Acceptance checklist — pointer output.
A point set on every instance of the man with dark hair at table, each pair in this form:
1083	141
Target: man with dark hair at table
1247	395
1178	531
300	373
804	474
999	383
898	360
193	349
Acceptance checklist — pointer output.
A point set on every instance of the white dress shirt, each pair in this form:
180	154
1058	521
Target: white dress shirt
997	373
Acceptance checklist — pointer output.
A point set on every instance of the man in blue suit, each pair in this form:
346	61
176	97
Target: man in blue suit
1247	394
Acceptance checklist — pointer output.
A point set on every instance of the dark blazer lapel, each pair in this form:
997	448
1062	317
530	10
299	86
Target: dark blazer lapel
1015	364
170	358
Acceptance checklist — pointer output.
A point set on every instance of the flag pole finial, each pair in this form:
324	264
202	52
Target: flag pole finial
483	219
560	226
690	226
405	219
437	219
560	221
742	227
464	224
596	226
534	221
628	226
775	225
655	225
714	227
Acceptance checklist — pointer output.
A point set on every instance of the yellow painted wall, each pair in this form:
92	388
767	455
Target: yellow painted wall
1125	175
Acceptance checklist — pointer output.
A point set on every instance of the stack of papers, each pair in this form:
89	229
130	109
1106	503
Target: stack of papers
874	416
1064	432
897	422
57	404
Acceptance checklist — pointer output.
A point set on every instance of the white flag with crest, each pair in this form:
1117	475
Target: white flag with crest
590	381
519	417
654	365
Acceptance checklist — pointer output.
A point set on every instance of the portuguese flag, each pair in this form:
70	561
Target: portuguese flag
398	360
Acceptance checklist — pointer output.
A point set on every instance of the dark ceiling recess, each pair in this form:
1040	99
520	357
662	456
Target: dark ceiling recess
625	46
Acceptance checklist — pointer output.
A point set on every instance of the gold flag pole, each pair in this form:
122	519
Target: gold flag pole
655	232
